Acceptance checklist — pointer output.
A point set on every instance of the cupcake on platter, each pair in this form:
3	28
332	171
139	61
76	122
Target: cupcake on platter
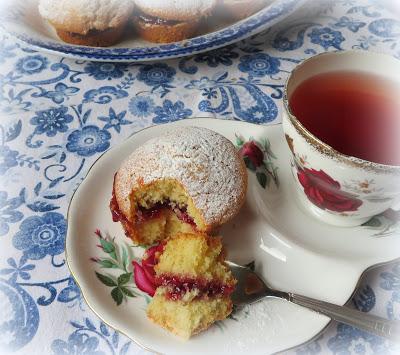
165	21
97	23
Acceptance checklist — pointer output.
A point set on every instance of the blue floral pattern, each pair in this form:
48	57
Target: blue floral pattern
52	121
105	71
8	159
351	24
158	75
141	106
32	64
349	340
326	37
77	344
41	236
6	50
104	95
170	112
88	141
114	120
259	65
216	57
86	338
59	115
18	271
61	93
9	212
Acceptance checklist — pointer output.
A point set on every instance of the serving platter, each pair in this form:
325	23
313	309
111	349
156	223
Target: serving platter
292	251
21	19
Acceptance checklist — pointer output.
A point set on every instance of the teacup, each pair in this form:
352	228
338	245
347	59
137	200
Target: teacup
339	189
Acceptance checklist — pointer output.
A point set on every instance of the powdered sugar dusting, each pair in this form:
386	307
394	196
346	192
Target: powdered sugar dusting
244	332
203	161
88	14
177	9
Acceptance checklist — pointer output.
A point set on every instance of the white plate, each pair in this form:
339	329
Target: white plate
21	19
292	251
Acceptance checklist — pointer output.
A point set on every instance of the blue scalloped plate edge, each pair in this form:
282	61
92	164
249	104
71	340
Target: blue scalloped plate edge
260	21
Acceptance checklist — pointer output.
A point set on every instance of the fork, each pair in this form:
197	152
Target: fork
251	288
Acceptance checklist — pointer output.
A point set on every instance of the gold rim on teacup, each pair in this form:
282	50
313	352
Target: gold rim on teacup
318	144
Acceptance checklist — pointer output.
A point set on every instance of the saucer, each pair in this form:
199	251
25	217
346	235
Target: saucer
292	251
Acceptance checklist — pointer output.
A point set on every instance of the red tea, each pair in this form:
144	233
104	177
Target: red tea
356	113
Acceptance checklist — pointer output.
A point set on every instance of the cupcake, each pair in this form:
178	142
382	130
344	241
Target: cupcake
165	21
191	283
190	179
97	23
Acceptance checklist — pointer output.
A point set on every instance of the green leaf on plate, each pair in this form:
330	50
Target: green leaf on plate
117	295
249	163
108	264
262	179
373	222
107	246
239	141
106	280
127	292
124	278
124	257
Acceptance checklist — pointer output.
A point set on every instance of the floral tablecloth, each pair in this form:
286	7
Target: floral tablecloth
58	115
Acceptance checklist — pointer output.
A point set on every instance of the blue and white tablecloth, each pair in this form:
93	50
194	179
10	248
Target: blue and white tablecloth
58	115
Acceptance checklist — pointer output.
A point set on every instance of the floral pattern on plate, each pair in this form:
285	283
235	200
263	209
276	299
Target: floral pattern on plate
118	259
259	159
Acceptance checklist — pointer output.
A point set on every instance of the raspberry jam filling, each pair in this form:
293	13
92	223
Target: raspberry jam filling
118	216
178	286
116	213
145	214
152	20
90	33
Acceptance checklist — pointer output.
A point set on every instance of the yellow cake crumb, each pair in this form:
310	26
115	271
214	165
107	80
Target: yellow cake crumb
187	318
195	256
167	223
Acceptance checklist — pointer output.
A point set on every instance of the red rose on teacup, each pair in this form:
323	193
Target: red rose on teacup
253	153
325	192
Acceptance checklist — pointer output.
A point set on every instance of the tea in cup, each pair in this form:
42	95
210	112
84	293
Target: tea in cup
342	125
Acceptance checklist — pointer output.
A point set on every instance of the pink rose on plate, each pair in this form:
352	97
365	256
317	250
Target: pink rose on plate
325	192
143	273
252	155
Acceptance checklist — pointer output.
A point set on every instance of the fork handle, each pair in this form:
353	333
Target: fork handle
376	325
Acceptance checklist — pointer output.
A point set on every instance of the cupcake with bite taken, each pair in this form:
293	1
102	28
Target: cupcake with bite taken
165	21
189	179
97	23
